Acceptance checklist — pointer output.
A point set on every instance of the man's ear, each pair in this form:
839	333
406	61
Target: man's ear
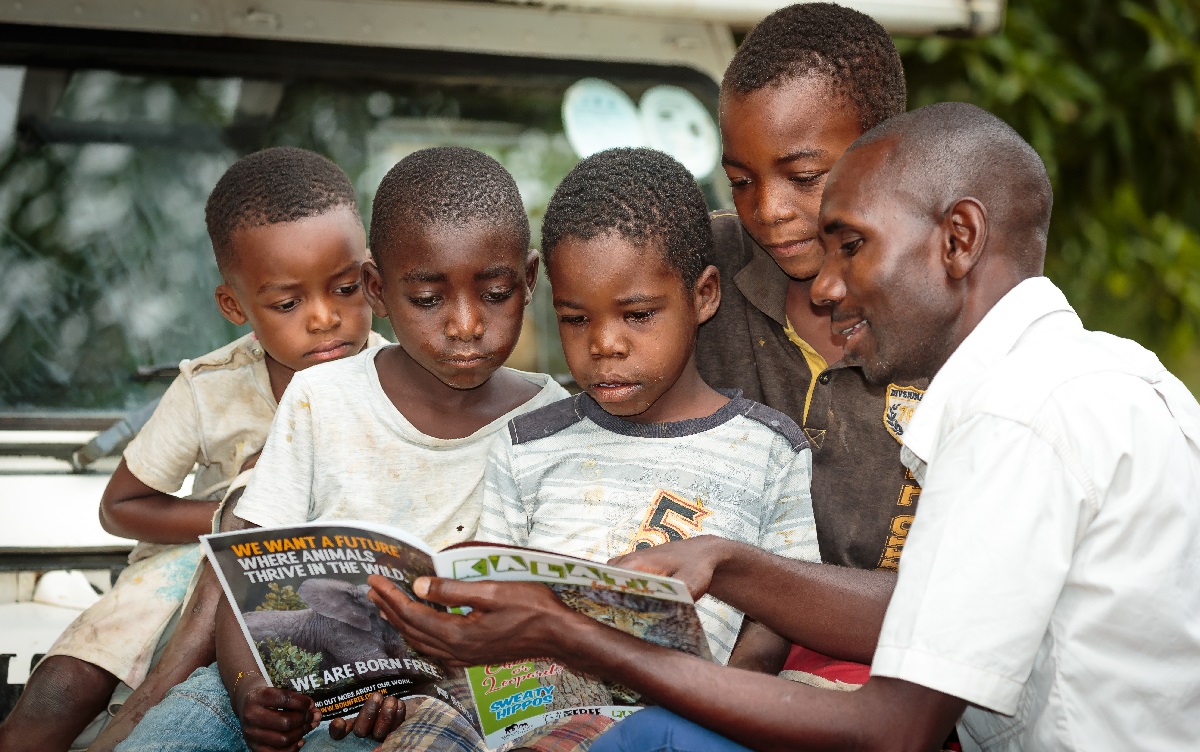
707	293
228	304
372	285
532	261
966	229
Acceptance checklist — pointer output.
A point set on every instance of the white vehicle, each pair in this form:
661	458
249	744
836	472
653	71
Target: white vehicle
118	116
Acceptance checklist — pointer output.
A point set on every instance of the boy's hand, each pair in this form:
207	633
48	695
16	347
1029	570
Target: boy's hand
693	560
273	719
379	717
509	621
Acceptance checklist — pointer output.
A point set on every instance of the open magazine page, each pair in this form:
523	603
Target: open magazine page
514	698
300	594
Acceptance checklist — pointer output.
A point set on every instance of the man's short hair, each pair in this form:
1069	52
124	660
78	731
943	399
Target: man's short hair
847	48
641	195
273	186
445	185
954	150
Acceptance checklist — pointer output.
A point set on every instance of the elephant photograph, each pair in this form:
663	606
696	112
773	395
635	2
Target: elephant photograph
321	625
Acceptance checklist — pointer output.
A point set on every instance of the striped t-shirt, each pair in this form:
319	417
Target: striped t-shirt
573	479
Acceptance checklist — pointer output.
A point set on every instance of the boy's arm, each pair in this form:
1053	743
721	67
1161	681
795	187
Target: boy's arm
131	509
759	649
511	621
138	501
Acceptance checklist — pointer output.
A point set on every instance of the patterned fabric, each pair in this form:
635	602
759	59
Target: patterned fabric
572	479
434	726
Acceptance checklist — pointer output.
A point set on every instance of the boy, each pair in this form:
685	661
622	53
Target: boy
805	83
289	245
398	435
649	452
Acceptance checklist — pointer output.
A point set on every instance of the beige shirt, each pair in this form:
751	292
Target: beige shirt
340	450
213	417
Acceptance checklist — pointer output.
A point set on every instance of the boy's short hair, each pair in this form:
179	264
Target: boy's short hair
445	185
641	195
847	48
273	186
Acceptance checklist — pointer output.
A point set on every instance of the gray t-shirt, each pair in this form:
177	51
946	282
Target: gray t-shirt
339	449
573	479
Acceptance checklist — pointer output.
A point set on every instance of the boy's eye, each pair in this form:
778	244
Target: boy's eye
639	315
286	305
572	320
738	182
348	289
425	301
498	295
808	178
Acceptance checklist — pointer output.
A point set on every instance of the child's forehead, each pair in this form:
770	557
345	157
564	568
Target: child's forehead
323	243
478	248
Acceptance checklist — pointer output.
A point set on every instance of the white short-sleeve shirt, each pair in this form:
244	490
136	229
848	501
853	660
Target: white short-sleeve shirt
340	450
1052	578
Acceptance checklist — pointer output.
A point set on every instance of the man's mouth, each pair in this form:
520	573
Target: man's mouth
331	350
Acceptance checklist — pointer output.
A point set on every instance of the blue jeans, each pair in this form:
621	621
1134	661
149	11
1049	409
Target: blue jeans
658	730
196	716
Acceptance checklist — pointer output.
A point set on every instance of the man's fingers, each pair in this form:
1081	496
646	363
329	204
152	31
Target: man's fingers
455	592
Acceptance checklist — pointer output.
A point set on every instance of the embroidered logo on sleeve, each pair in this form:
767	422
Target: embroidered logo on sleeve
899	407
670	517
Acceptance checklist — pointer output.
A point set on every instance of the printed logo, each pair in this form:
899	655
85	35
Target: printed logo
898	410
895	544
670	517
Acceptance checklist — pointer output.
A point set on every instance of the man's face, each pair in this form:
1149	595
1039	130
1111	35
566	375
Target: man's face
627	325
778	145
882	274
455	297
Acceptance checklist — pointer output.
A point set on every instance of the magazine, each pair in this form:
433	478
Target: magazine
301	599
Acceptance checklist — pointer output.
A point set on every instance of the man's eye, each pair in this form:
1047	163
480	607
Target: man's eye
286	305
498	295
572	320
850	247
348	289
425	301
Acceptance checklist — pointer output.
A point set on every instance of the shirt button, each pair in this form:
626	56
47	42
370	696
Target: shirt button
824	377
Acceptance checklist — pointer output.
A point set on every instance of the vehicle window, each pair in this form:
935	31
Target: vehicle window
106	273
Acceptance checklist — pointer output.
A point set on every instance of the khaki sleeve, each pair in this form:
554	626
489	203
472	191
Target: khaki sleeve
168	446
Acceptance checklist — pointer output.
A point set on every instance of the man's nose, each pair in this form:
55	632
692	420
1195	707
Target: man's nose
828	288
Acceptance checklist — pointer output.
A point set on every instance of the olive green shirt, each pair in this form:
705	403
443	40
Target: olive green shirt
864	499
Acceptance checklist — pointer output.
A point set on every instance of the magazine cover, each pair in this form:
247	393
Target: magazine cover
300	594
513	698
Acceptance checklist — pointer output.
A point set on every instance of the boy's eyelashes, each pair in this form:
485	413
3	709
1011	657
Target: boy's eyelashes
491	295
804	179
635	317
345	290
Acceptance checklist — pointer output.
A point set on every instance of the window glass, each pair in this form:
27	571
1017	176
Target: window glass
106	273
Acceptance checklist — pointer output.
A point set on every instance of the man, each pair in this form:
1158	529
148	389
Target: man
1050	587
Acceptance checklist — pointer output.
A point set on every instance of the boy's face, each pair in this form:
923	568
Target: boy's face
778	144
628	325
455	297
297	284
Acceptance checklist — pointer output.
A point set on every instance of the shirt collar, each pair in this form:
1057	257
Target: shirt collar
763	283
991	339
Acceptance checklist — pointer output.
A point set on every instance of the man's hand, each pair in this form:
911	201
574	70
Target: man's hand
273	719
509	621
379	717
693	560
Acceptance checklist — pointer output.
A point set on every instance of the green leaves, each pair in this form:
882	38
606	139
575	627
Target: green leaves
1109	94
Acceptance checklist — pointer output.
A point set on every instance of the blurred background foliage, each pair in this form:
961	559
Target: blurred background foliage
1108	92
